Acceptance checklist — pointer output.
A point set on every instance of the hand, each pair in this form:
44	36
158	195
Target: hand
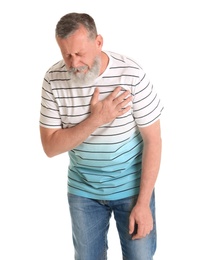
140	219
107	110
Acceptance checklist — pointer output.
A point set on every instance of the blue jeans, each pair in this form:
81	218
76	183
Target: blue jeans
90	224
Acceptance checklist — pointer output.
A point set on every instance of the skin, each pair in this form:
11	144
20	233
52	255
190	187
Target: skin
141	213
78	50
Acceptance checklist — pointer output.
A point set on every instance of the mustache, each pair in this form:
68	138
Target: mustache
78	69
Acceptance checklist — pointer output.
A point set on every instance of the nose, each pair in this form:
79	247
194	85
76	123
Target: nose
74	60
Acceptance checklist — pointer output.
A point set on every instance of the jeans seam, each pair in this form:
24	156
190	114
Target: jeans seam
105	242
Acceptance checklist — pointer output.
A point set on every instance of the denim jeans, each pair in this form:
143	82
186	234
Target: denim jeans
90	224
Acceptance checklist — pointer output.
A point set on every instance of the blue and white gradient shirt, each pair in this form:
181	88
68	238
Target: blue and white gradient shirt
107	165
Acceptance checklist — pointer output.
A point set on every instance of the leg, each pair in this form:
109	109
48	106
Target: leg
141	249
90	223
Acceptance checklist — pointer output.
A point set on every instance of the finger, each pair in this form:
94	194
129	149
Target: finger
123	107
114	94
123	111
135	230
140	232
122	97
95	97
131	225
124	102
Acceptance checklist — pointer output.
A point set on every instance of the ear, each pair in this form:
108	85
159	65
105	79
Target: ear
99	41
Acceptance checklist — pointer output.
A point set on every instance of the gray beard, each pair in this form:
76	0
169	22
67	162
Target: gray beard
80	78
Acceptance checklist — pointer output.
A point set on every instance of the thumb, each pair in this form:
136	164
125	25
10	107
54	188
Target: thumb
132	224
95	97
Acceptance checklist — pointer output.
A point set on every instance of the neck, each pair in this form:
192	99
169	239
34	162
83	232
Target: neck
104	62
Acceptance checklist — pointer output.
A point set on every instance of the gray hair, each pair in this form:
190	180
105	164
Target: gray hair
69	23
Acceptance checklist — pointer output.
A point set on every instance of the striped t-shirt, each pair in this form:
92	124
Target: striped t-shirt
107	165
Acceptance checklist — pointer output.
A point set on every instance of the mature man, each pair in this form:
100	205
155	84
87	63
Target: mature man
101	108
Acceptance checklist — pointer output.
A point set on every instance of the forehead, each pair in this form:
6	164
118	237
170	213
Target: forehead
81	32
79	40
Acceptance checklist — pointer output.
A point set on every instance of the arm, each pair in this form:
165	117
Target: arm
141	213
57	141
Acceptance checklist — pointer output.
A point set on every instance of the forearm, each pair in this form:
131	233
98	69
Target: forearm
63	140
150	168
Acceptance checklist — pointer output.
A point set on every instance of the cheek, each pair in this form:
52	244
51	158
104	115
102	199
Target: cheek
67	63
85	61
91	57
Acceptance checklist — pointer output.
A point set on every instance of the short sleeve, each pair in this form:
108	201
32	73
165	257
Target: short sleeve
147	106
49	112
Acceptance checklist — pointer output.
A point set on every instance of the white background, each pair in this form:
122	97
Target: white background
163	36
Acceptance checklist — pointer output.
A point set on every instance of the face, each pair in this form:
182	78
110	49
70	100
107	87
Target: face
82	56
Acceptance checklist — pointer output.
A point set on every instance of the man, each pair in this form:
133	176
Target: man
101	108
